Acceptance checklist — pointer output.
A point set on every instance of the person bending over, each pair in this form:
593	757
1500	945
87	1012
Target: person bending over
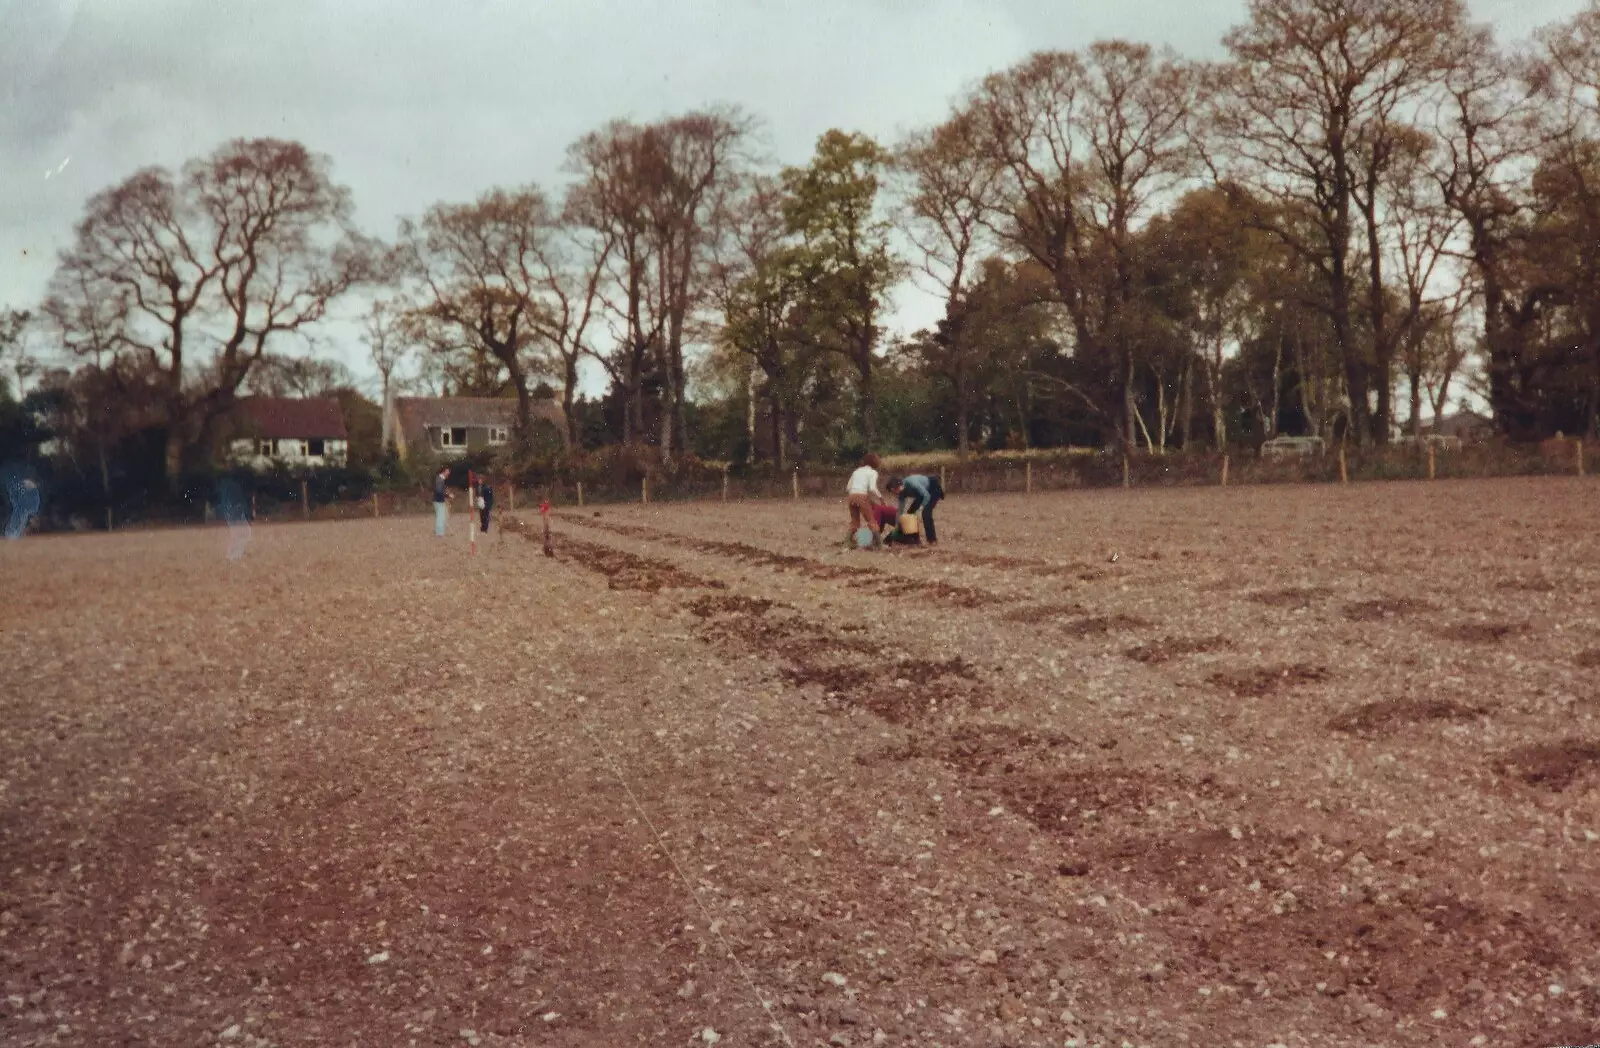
918	493
863	494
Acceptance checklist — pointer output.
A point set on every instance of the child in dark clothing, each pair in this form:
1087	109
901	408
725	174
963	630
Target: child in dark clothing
485	504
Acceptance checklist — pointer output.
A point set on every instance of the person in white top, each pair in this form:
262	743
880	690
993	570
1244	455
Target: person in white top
863	494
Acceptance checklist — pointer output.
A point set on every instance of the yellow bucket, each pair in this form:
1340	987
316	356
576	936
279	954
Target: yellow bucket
910	524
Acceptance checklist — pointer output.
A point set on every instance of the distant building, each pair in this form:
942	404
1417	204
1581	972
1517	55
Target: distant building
444	427
1467	426
289	431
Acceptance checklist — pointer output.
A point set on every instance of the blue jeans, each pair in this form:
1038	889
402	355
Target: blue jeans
441	517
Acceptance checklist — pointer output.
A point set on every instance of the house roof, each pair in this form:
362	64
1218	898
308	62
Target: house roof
417	414
292	418
1462	423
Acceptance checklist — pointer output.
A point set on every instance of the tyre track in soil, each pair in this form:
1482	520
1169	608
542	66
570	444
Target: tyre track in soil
1052	779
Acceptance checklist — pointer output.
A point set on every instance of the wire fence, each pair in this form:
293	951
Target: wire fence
1095	469
1038	472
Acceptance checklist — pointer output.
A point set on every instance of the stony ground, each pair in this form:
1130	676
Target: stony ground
1297	766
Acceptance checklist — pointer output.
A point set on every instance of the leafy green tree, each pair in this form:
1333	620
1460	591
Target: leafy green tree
840	262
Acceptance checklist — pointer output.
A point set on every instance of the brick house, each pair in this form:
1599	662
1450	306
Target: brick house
289	431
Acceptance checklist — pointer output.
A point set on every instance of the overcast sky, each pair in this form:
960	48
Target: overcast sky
425	100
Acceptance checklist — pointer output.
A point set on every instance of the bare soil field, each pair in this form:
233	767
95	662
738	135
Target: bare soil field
1303	766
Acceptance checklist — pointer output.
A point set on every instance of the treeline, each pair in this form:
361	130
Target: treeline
1371	210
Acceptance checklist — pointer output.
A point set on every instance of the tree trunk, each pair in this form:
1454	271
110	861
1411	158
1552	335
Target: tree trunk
869	413
1416	402
1219	418
1186	417
1277	388
569	395
388	410
962	422
174	455
1130	410
664	426
680	421
776	410
750	414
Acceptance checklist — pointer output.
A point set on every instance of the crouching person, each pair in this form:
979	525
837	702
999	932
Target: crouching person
919	494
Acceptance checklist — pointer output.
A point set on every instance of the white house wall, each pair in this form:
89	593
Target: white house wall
335	452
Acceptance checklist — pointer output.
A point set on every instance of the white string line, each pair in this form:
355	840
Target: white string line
694	893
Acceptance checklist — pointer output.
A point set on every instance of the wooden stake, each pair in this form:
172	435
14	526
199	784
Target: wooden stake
794	483
208	513
644	490
1344	474
1027	478
1127	477
941	476
305	502
511	498
1430	462
1580	458
252	507
109	522
724	485
472	513
1224	471
375	505
580	494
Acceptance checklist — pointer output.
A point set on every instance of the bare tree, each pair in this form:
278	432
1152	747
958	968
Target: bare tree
571	269
1313	83
388	349
750	288
247	246
954	188
14	354
1488	126
479	271
652	195
1086	144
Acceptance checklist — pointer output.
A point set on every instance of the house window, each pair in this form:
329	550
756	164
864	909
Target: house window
499	434
264	449
453	437
314	448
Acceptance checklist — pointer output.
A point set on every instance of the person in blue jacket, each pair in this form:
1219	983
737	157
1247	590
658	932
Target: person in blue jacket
919	494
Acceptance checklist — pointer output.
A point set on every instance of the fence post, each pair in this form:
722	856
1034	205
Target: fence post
511	499
724	483
1027	478
305	502
580	494
644	490
1224	471
1580	458
375	505
1127	478
794	483
109	522
1344	474
1430	462
252	506
208	513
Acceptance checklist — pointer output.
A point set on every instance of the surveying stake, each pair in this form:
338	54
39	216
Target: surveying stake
544	514
472	511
